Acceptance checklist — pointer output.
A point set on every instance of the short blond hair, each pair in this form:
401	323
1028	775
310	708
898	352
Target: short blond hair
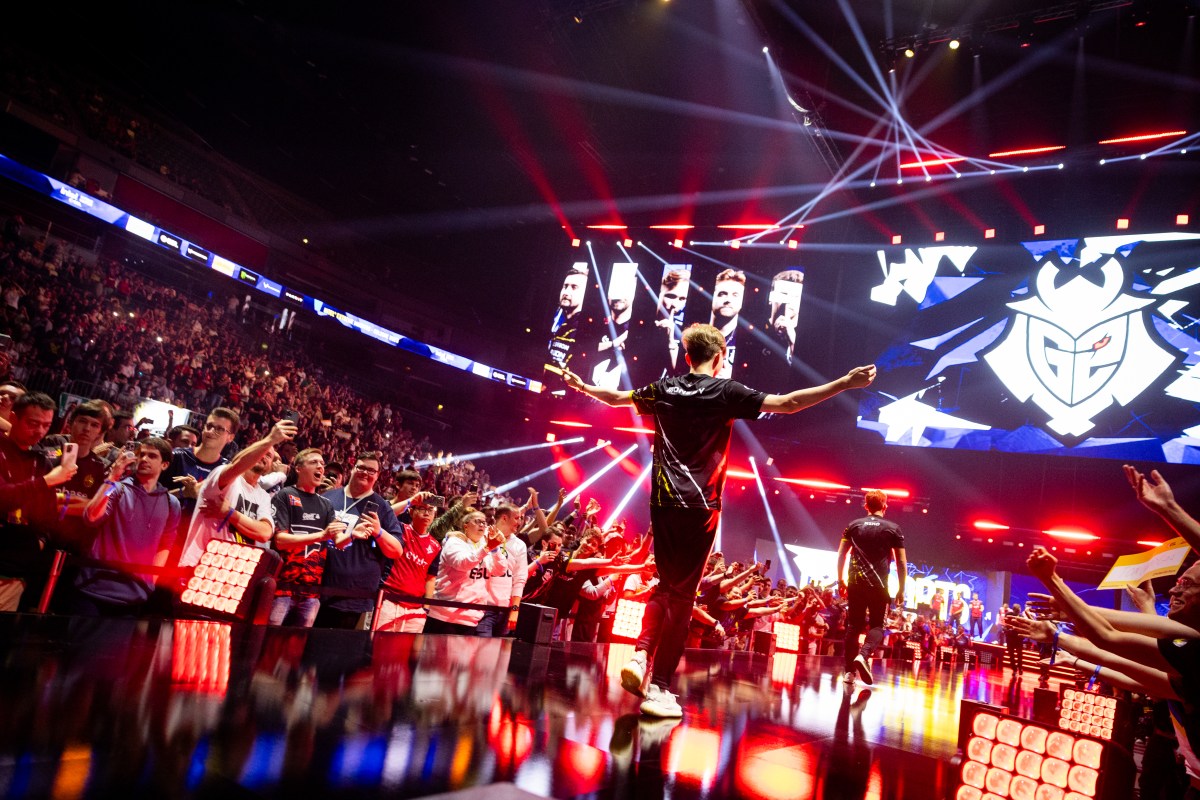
701	342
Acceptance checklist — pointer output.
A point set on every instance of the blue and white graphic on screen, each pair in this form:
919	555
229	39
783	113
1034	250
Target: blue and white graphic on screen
1076	347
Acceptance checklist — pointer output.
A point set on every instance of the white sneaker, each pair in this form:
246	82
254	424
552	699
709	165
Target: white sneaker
633	674
864	670
848	680
661	703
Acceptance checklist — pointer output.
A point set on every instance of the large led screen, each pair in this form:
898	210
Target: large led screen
1083	347
618	325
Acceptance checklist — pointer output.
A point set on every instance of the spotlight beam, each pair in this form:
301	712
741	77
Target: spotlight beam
556	465
637	484
487	454
762	493
578	490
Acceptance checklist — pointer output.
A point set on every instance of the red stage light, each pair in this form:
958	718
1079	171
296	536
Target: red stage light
888	492
569	424
1072	535
897	239
608	227
678	242
679	227
628	242
1028	151
1038	230
1182	219
1144	137
815	483
985	525
550	437
749	226
990	233
739	474
793	244
693	755
1122	224
940	236
575	243
932	162
635	430
1149	543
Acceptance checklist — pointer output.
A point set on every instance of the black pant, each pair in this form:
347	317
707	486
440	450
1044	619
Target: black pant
1013	640
334	618
976	622
683	538
867	605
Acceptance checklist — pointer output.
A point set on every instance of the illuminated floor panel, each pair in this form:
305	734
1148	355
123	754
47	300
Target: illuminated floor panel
154	709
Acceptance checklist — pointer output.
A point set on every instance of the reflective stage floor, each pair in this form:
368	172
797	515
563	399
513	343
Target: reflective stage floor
186	709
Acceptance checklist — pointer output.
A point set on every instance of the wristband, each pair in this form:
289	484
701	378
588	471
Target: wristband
225	522
1054	648
1092	680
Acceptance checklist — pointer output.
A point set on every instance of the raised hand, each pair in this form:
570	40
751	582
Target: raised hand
282	431
1142	597
861	376
1039	630
1153	492
1041	564
1043	606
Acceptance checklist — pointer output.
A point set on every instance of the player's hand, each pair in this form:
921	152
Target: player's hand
572	380
859	377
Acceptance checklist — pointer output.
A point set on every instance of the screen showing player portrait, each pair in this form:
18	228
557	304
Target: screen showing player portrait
1083	347
619	324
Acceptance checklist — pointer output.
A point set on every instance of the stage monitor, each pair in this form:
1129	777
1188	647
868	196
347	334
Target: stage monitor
1082	347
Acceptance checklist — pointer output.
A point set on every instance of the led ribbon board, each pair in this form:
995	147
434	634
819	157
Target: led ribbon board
198	255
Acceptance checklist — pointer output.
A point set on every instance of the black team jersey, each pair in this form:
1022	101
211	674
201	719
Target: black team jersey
871	541
693	419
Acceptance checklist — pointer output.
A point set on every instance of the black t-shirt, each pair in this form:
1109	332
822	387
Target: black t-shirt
872	540
1184	657
564	587
693	419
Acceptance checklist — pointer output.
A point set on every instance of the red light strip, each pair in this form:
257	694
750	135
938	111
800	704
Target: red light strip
568	424
1145	137
1149	543
933	162
739	473
607	227
750	226
814	483
672	227
1028	151
984	525
889	492
1077	536
635	430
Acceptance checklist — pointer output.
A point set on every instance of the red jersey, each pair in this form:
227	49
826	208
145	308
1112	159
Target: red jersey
410	570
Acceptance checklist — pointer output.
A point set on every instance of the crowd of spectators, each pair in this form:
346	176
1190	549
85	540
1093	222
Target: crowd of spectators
101	328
